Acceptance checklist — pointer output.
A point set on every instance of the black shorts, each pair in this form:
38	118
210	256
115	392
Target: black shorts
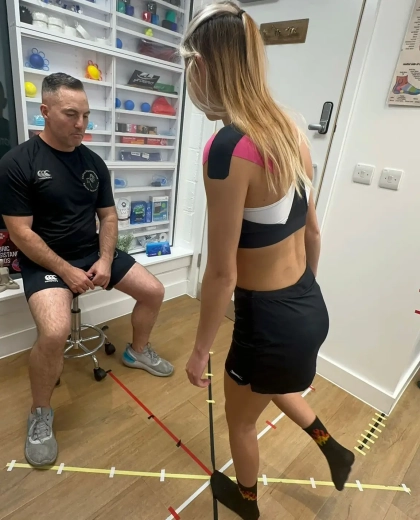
277	337
36	278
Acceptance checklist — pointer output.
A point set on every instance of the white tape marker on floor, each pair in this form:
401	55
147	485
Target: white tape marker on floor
227	465
264	477
60	469
11	465
359	485
112	472
313	483
162	475
405	488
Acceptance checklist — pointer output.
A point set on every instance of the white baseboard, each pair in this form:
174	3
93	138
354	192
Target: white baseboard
366	391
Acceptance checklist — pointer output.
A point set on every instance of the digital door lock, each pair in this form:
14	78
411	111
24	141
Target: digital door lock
324	123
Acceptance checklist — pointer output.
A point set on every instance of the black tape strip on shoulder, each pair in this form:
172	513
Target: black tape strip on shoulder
221	151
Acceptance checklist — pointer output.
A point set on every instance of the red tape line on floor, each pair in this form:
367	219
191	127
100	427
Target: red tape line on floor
271	424
160	423
174	513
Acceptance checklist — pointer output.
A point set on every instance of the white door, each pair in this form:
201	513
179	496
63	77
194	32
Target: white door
303	77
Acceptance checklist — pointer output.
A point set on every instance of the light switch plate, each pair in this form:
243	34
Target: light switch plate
363	173
390	179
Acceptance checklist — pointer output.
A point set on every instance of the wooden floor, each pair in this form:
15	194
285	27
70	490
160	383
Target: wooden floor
98	425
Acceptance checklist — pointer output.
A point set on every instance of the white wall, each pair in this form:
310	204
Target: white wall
370	270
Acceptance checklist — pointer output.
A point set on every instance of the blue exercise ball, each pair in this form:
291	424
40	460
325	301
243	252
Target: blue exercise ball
117	103
119	43
36	61
129	105
145	107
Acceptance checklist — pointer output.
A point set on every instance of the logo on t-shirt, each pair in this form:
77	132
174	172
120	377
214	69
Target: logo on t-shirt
90	180
44	174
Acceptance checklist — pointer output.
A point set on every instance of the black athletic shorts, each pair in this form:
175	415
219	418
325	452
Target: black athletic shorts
36	278
277	337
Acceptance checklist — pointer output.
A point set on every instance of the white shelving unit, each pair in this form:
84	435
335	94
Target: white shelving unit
94	35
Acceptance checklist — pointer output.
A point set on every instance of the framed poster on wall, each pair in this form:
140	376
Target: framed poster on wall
405	88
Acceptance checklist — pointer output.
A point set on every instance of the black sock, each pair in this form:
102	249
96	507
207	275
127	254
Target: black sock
237	498
339	458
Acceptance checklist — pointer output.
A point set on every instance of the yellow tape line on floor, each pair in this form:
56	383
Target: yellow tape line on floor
205	477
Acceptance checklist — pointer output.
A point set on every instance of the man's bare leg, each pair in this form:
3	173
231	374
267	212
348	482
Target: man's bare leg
50	309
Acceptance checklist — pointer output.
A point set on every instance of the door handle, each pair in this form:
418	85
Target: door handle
324	123
315	127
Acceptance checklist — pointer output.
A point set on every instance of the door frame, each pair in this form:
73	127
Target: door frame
362	40
346	106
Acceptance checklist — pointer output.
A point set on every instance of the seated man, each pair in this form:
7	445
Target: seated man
51	188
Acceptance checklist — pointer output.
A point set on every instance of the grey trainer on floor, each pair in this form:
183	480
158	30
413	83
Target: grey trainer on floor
41	447
148	360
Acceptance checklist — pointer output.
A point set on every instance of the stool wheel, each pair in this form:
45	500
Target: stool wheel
109	349
99	373
418	384
58	382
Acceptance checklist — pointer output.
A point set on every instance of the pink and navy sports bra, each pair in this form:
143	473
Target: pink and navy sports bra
261	227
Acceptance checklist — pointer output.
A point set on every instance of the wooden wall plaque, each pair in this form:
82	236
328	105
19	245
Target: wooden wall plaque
282	33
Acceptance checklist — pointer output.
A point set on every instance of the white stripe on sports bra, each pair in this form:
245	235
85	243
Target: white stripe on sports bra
276	213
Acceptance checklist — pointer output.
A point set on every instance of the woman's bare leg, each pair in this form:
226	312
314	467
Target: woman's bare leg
339	458
243	407
296	408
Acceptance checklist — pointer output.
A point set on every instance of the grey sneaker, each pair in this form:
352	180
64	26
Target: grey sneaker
41	447
148	360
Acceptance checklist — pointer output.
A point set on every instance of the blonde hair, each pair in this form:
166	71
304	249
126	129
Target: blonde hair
227	44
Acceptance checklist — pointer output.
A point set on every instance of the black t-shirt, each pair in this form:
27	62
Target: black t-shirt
61	190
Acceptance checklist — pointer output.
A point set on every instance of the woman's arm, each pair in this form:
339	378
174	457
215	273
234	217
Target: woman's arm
312	232
225	204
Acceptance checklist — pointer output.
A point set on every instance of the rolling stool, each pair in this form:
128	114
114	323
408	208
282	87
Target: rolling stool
76	341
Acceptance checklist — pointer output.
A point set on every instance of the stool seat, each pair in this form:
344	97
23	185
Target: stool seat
76	341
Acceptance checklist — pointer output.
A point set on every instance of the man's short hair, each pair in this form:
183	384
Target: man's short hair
52	83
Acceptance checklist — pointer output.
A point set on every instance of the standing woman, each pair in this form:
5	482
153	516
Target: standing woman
263	244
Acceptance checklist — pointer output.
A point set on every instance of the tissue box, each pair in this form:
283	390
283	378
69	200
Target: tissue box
158	249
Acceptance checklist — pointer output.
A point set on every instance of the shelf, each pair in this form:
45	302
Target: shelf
94	46
152	231
140	165
96	109
141	226
88	81
146	91
146	37
8	294
169	6
96	144
136	250
92	6
145	146
176	253
142	188
137	21
154	136
155	62
145	114
92	132
66	12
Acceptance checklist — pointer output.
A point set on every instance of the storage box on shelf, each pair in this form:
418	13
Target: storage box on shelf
135	98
